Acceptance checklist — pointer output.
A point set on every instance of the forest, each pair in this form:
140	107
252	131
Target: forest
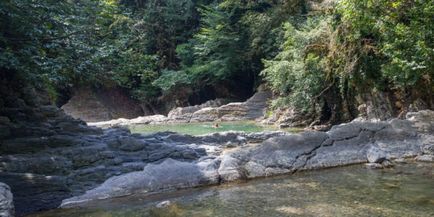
319	57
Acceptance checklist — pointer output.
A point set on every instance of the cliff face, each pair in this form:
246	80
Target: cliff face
93	105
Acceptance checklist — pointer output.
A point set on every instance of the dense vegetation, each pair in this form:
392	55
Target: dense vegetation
320	57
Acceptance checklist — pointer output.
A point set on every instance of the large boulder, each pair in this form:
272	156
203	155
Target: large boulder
93	105
251	109
184	114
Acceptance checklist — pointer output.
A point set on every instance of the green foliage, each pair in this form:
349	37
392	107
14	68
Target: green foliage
43	38
297	72
216	48
308	57
169	79
232	38
165	24
362	44
399	33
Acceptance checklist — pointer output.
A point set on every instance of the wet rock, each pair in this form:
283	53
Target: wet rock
163	204
63	140
283	152
127	143
205	115
38	164
425	158
32	131
229	169
152	119
86	156
6	201
24	145
422	120
428	144
374	166
376	155
34	192
169	174
185	114
353	129
400	160
387	164
382	165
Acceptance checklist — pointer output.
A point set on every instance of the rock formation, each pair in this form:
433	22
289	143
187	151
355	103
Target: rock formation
92	105
351	143
215	110
48	157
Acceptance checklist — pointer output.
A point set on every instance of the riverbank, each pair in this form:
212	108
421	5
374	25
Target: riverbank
377	143
344	191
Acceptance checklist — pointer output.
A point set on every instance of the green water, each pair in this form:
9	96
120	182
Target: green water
204	128
406	190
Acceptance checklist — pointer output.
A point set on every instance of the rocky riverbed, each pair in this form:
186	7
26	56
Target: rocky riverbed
49	159
48	156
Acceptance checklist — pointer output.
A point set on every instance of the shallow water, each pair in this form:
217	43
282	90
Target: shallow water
204	128
406	190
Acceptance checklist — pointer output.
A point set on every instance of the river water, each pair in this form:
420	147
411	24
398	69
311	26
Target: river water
206	128
405	190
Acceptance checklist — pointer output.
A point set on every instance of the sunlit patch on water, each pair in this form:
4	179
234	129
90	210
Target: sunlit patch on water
406	190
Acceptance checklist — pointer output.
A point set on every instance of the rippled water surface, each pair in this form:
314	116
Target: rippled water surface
406	190
205	128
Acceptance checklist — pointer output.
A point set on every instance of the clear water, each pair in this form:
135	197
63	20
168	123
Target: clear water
204	128
406	190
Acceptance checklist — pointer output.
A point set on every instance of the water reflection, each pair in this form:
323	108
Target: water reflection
406	190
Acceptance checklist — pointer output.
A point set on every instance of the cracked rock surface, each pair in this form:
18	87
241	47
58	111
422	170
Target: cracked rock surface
351	143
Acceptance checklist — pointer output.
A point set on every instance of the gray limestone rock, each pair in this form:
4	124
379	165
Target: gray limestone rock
169	174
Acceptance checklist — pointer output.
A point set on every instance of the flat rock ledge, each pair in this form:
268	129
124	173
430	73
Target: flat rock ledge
252	109
345	144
